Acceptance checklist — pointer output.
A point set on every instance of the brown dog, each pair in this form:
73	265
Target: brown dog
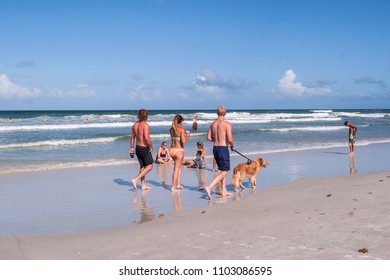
249	170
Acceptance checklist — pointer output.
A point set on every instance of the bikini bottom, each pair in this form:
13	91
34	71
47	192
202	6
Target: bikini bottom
174	151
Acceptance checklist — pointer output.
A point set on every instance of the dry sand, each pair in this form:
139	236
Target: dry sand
338	218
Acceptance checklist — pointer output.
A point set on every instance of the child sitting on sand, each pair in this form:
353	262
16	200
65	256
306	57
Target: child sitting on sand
197	162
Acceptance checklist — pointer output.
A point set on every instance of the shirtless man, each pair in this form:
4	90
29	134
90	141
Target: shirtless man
220	132
140	132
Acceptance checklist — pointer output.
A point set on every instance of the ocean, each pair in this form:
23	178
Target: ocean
49	140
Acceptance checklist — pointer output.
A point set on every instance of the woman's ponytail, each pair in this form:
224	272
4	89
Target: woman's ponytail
177	120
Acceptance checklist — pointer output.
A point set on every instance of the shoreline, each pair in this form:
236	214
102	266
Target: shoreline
94	213
89	199
331	218
125	161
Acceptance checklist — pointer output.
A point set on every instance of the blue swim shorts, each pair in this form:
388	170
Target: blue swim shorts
222	157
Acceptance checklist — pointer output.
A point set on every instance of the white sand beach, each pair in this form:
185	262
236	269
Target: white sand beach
314	217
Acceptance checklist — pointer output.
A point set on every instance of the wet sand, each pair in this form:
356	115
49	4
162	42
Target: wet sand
94	213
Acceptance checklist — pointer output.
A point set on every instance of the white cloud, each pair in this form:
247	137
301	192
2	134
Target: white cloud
288	85
145	92
25	64
370	81
55	92
137	77
208	81
81	91
184	95
10	90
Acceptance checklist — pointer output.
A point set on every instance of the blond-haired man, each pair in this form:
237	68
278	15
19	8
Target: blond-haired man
220	133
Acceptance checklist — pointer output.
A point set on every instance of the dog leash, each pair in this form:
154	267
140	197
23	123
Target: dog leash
249	160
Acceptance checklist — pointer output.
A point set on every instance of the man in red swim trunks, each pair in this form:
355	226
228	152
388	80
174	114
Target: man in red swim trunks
220	132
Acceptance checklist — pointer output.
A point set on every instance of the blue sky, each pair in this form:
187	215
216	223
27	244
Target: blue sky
178	54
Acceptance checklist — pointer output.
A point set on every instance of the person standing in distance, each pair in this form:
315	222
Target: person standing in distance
351	137
220	132
140	133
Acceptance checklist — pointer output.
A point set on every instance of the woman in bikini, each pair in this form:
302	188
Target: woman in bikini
163	154
179	138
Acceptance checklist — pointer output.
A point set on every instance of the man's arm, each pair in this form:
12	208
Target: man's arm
132	138
229	136
147	137
354	129
209	135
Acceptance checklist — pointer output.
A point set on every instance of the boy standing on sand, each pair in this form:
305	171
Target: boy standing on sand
220	132
352	135
140	132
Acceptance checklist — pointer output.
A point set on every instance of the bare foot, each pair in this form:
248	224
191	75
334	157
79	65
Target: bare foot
145	188
208	193
134	183
226	194
180	187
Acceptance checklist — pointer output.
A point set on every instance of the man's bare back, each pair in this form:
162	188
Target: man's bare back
220	132
141	132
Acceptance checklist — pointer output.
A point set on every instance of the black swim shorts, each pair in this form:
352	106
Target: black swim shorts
144	156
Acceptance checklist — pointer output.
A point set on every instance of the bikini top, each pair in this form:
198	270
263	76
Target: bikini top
176	138
163	155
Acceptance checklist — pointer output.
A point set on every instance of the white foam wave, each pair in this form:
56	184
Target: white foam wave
96	121
162	123
168	136
322	111
316	119
307	129
61	142
364	115
63	126
246	117
116	162
39	127
361	143
66	165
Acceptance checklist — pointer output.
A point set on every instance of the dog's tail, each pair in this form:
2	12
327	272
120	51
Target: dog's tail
235	179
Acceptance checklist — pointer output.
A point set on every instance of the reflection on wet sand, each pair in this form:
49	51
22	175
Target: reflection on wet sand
201	176
176	198
163	171
352	165
146	213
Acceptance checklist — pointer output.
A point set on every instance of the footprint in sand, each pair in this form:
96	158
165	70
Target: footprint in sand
245	245
220	232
